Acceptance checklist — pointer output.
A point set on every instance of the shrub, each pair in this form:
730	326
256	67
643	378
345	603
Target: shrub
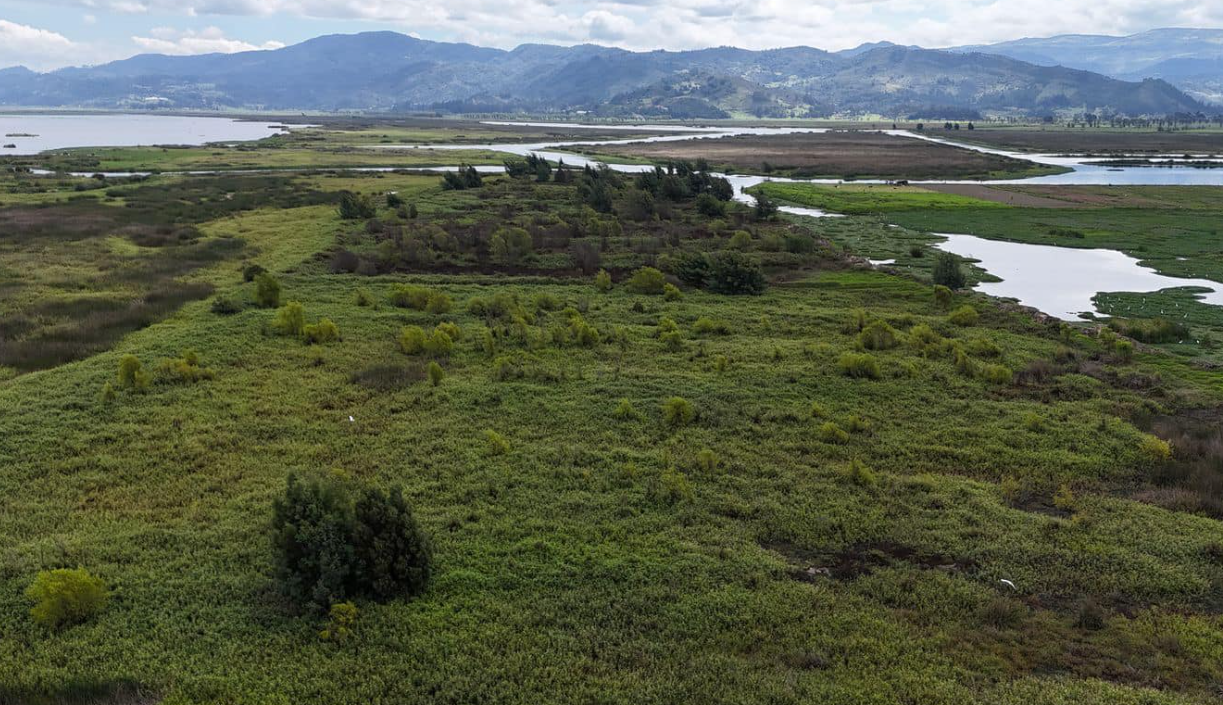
438	344
625	411
733	272
1002	613
410	296
859	365
692	268
923	339
412	340
1154	450
677	412
1090	616
339	623
108	394
709	326
394	556
818	411
942	296
356	206
290	319
66	596
364	298
225	306
673	486
670	292
983	348
325	331
438	303
857	424
1124	349
720	363
132	374
741	240
707	460
436	374
878	335
183	370
672	341
603	281
647	280
312	527
267	291
861	475
251	271
948	272
497	444
830	432
997	374
708	205
509	244
964	316
450	329
1064	498
1033	422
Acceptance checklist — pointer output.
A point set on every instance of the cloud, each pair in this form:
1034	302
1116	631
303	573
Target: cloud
210	40
32	47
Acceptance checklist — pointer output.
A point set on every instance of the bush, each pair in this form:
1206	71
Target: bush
184	370
108	394
677	412
339	623
356	206
997	374
438	344
878	335
647	280
741	240
625	411
672	341
438	303
603	281
410	296
412	340
1033	422
818	411
394	556
861	475
267	291
948	272
709	326
497	443
709	206
735	273
859	365
132	374
673	487
692	268
964	316
1124	350
66	596
830	432
510	245
251	271
1154	450
670	292
436	374
325	331
942	296
450	329
707	460
225	306
290	319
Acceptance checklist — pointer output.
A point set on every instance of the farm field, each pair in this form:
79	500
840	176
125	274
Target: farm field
665	447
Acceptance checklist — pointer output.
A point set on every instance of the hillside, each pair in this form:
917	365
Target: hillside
386	71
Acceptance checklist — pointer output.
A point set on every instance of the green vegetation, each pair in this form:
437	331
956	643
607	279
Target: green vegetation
515	482
869	198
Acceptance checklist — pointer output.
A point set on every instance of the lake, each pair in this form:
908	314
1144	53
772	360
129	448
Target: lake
63	131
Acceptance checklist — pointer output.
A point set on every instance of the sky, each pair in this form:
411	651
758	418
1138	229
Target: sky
47	34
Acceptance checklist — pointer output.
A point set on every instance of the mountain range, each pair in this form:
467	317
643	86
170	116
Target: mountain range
390	72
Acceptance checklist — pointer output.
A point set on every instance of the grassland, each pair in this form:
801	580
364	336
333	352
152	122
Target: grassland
607	556
853	154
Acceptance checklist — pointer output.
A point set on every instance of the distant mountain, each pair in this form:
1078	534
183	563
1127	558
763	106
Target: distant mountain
1191	59
386	71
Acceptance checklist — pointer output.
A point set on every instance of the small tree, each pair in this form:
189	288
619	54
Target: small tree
267	290
290	319
510	245
603	281
765	209
312	526
948	272
357	206
131	373
647	280
394	556
733	272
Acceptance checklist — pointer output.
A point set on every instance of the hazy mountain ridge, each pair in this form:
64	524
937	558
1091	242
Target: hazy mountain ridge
1191	59
386	71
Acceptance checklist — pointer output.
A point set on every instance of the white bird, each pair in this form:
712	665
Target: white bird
1008	583
351	419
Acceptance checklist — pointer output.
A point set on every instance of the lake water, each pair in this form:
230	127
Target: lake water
1059	281
63	131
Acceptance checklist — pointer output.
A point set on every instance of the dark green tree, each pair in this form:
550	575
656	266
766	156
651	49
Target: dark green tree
732	272
948	272
312	528
394	557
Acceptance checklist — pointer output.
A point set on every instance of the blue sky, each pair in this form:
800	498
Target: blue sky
46	34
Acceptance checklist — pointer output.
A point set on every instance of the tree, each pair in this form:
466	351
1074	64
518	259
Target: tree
732	272
394	556
356	206
766	209
947	271
267	290
65	596
510	245
639	205
312	527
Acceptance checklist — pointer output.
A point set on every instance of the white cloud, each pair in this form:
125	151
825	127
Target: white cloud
32	47
210	40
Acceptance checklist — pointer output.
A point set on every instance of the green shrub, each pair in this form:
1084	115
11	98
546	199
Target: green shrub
964	316
647	280
861	475
250	271
412	340
983	348
720	363
339	623
64	596
438	344
355	206
436	374
108	394
670	292
410	296
183	370
948	272
1154	450
496	443
267	291
450	329
1033	422
132	374
942	296
1064	498
438	303
677	412
997	374
290	319
1124	350
818	411
709	326
225	306
830	432
878	335
672	341
394	556
733	272
924	340
510	244
325	331
625	411
673	487
364	298
707	460
859	365
741	240
692	268
603	281
857	424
